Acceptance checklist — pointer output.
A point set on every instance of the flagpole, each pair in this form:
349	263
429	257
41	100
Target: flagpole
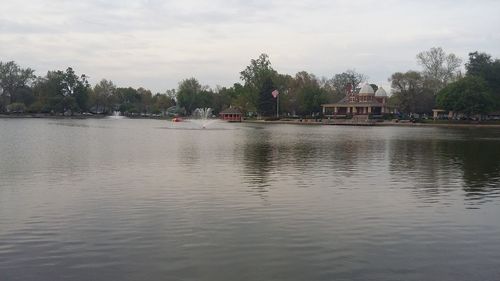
278	106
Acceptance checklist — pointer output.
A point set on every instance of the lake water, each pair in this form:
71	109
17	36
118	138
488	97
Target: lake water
121	199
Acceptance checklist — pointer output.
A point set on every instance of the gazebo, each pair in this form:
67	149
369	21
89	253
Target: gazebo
231	114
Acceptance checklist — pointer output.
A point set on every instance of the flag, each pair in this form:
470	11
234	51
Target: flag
275	93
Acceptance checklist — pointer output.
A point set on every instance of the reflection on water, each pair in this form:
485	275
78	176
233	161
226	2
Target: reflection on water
478	160
137	200
443	164
259	157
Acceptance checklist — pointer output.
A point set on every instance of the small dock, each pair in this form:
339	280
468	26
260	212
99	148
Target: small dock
357	120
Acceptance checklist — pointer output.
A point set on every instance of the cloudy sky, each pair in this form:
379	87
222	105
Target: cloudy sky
155	44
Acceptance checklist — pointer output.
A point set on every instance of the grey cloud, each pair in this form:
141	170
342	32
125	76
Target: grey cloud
155	42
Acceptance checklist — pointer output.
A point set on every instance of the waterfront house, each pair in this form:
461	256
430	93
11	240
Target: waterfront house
366	102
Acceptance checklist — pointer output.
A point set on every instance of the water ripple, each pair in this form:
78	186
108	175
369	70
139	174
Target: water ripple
126	200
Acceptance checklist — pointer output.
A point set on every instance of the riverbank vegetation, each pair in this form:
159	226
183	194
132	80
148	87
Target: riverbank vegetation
440	83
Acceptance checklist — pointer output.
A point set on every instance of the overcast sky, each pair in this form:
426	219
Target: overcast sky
155	44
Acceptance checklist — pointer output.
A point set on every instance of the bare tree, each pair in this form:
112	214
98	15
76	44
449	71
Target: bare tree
440	67
350	76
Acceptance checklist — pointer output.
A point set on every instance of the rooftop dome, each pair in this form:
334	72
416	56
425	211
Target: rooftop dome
381	92
366	90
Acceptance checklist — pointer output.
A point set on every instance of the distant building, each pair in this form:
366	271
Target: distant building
231	114
438	114
365	102
441	114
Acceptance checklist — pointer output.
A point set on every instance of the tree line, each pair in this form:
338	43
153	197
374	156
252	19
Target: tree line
65	92
440	83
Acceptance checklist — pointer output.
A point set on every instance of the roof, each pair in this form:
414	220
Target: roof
381	92
231	110
366	90
347	104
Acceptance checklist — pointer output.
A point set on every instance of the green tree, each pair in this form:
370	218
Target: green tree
469	95
482	65
332	95
258	78
283	83
25	95
411	94
307	94
76	87
478	64
128	100
245	98
61	91
259	70
267	103
161	102
191	95
12	79
146	100
102	96
222	98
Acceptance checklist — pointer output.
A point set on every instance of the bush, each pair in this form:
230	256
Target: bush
38	107
17	107
271	118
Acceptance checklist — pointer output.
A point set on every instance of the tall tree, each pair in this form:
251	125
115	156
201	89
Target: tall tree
439	67
255	76
469	95
411	94
482	65
267	103
478	64
75	87
222	98
162	102
102	95
146	100
307	93
191	95
340	82
245	98
259	70
332	95
61	91
129	100
283	83
13	78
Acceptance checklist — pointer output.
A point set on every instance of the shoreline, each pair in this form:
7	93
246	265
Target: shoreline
48	116
306	122
376	124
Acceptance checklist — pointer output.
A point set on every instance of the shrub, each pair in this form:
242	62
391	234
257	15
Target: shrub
17	107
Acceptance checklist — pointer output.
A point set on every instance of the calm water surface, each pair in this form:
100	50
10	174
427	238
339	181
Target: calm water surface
149	200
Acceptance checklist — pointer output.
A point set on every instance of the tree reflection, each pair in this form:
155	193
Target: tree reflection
435	166
479	160
258	159
414	165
